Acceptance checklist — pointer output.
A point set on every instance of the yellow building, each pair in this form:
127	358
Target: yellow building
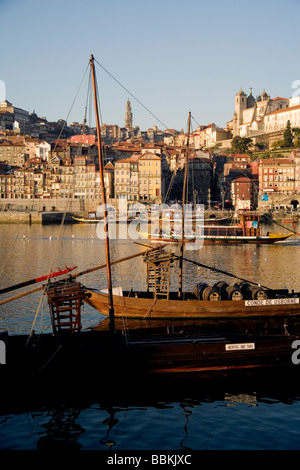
150	188
277	175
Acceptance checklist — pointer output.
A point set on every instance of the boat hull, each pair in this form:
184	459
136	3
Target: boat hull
141	307
141	353
211	240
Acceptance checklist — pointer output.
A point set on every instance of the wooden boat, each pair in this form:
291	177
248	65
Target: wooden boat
143	305
222	300
69	357
90	219
173	215
143	353
94	219
248	231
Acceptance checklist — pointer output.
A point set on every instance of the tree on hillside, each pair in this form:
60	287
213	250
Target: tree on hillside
241	144
288	135
296	139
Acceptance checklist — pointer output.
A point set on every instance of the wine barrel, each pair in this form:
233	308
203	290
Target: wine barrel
234	293
198	289
221	287
256	293
243	286
210	293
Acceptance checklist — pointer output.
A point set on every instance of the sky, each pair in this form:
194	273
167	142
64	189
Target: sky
169	57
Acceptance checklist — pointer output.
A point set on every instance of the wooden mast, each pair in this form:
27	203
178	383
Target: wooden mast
108	266
186	170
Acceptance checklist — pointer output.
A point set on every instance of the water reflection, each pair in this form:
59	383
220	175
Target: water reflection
221	420
61	431
31	251
168	416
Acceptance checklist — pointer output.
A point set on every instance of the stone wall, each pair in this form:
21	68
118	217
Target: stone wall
38	205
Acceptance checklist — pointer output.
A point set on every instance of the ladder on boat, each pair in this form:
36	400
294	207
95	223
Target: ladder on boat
65	300
158	274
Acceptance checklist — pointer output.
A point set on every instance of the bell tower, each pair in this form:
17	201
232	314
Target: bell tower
128	116
240	106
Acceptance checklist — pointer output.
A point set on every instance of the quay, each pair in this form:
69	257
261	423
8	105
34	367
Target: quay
45	218
14	217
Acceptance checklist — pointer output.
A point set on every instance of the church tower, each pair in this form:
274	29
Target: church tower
128	116
240	106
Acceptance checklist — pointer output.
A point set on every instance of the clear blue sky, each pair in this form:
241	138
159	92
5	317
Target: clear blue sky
173	56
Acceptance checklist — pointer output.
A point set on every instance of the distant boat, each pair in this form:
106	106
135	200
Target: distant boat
90	219
56	217
93	218
247	231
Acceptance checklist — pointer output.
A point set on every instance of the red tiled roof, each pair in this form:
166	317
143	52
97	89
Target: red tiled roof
109	165
133	158
275	160
284	110
150	156
242	179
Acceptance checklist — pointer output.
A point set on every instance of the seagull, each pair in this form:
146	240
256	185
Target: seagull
73	236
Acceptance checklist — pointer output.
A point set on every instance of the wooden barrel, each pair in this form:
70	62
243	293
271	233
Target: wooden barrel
198	289
210	293
256	293
221	286
243	286
234	293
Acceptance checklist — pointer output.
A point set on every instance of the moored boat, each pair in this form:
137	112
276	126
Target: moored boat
247	231
144	305
69	355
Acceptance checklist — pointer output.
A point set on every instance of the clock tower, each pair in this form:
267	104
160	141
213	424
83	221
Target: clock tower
128	116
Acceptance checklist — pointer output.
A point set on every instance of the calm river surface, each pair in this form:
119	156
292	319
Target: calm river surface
193	420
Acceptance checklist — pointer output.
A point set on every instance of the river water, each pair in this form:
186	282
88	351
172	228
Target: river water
197	419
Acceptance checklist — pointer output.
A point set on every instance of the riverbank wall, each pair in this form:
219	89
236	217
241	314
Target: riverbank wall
20	217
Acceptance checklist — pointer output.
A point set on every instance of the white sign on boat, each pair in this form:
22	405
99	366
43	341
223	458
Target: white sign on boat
239	346
255	303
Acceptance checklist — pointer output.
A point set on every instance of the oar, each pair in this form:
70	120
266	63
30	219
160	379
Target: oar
87	271
60	272
222	272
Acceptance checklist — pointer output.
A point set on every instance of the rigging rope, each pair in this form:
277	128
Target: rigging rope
65	122
134	97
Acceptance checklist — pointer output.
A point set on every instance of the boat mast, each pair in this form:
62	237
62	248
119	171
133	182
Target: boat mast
108	266
186	170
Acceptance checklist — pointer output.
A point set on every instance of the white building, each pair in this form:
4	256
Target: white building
42	150
251	113
277	120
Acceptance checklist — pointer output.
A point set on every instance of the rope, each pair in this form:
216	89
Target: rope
70	109
130	93
279	225
50	359
222	272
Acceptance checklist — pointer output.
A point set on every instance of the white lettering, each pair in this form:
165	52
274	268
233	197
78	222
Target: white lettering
118	460
173	460
294	85
2	352
295	355
239	347
255	303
